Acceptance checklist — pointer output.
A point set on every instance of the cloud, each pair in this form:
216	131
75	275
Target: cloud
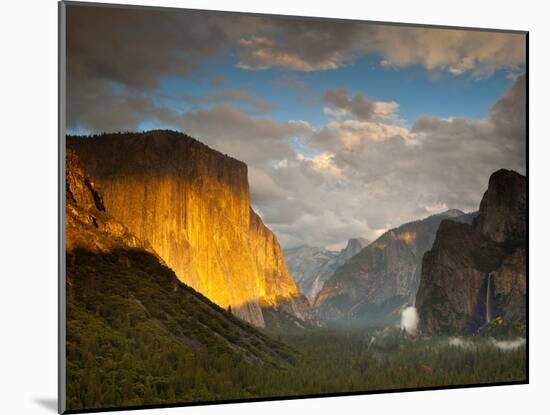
350	177
508	114
324	164
295	45
454	51
304	92
358	106
227	95
247	138
137	46
111	48
389	175
348	135
298	44
99	106
358	174
119	108
257	53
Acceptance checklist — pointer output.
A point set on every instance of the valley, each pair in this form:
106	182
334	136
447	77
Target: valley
435	302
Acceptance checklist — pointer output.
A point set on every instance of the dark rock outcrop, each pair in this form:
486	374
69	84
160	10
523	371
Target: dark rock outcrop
475	273
503	209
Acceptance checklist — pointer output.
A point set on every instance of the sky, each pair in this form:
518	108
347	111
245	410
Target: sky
348	128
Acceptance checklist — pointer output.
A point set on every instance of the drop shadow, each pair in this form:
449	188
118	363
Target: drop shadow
48	403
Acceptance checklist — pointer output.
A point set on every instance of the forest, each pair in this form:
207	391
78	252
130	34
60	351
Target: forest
112	366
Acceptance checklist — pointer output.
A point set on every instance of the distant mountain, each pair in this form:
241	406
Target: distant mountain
476	273
127	313
374	285
353	247
312	266
192	204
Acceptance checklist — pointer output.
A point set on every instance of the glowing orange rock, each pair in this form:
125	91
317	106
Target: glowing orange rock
192	204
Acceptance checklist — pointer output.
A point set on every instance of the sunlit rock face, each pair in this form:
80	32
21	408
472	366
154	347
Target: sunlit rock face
109	271
475	273
193	205
377	283
87	225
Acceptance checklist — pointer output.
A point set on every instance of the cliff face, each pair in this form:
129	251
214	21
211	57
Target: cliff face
475	273
503	209
374	285
87	225
312	266
121	297
455	279
192	204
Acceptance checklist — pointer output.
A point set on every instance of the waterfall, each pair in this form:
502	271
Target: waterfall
488	299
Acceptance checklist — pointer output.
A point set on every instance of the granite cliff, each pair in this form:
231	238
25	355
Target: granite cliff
126	311
476	273
192	204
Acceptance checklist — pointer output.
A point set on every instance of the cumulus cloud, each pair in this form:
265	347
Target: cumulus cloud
295	45
454	51
250	139
262	53
351	134
358	106
300	45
